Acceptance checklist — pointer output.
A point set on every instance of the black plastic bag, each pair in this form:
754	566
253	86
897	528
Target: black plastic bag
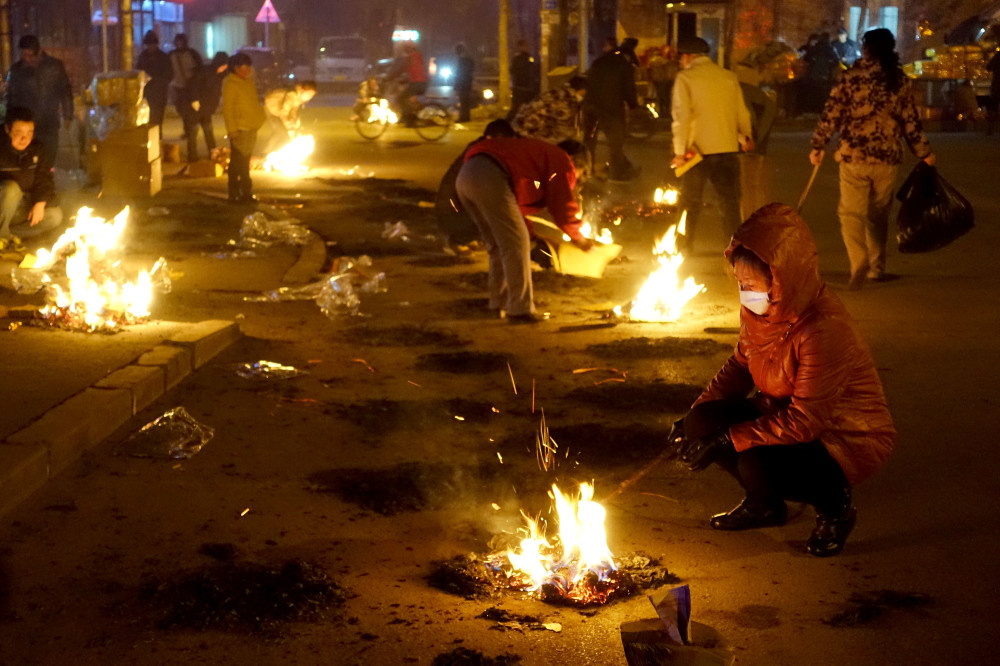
933	213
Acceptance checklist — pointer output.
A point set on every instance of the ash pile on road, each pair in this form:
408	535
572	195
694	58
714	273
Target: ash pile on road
471	576
244	597
868	607
466	657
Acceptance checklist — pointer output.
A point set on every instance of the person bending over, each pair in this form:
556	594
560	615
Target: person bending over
817	421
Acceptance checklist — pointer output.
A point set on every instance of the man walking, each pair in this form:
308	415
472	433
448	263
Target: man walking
243	115
464	74
711	119
157	66
610	92
524	79
185	63
38	82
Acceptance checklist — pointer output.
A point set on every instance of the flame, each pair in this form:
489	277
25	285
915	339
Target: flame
579	556
382	113
94	299
667	196
603	236
290	159
663	297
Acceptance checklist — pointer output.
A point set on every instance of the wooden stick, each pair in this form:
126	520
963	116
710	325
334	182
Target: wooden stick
805	192
624	485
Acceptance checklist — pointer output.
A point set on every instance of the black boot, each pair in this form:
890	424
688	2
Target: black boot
830	534
749	516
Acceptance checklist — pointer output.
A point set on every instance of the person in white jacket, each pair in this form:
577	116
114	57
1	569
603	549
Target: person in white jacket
710	119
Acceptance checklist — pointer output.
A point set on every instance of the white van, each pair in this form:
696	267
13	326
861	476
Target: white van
341	60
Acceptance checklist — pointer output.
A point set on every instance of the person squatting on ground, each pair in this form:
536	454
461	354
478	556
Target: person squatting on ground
207	87
553	116
283	106
871	108
610	93
465	68
243	115
38	82
504	179
410	76
711	118
818	422
156	63
27	191
184	63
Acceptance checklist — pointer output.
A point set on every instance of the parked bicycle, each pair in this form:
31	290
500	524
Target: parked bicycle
373	117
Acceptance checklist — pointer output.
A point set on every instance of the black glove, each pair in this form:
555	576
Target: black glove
676	439
701	452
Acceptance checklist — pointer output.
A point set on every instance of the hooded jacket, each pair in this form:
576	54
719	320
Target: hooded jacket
240	108
805	355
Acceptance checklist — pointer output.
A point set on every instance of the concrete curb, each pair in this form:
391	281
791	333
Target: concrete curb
45	447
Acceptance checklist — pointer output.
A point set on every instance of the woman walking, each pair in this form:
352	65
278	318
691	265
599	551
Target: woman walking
872	109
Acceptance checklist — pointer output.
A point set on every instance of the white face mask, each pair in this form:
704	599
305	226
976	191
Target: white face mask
755	301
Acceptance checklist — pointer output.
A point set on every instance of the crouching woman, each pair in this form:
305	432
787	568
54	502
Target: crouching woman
817	422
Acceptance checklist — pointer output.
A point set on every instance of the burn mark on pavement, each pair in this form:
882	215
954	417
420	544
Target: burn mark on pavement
244	597
642	396
406	335
381	417
667	347
465	657
469	362
869	606
405	488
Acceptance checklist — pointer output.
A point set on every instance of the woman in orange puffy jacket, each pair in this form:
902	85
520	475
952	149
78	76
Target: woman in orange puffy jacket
818	422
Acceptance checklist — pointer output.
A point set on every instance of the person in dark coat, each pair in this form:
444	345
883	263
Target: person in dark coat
185	62
846	48
207	93
156	63
525	83
39	82
464	71
27	191
610	92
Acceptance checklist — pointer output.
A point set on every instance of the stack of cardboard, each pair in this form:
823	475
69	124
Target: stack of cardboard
131	165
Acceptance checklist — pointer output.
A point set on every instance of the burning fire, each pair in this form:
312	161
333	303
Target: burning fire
95	298
290	159
382	113
578	565
663	297
587	231
668	196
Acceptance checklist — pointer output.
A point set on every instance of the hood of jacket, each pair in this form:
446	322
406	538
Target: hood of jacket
781	238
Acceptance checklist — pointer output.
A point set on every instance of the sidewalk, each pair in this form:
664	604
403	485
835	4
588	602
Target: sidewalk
66	391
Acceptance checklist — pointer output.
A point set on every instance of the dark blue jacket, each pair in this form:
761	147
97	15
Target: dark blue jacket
25	167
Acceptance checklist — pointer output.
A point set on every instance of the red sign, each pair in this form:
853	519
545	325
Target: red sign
267	13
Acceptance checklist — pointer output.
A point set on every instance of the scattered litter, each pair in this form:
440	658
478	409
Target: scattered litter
504	620
158	211
28	280
260	231
175	434
267	371
336	294
398	230
160	276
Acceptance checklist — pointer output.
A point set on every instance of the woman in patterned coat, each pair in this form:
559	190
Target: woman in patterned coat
872	109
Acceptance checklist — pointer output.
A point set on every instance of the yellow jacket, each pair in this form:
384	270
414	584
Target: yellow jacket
240	107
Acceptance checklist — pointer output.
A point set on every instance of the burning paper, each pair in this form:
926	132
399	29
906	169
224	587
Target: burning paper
577	564
290	159
663	297
97	297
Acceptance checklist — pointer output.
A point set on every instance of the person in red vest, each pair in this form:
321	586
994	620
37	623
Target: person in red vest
503	179
410	75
